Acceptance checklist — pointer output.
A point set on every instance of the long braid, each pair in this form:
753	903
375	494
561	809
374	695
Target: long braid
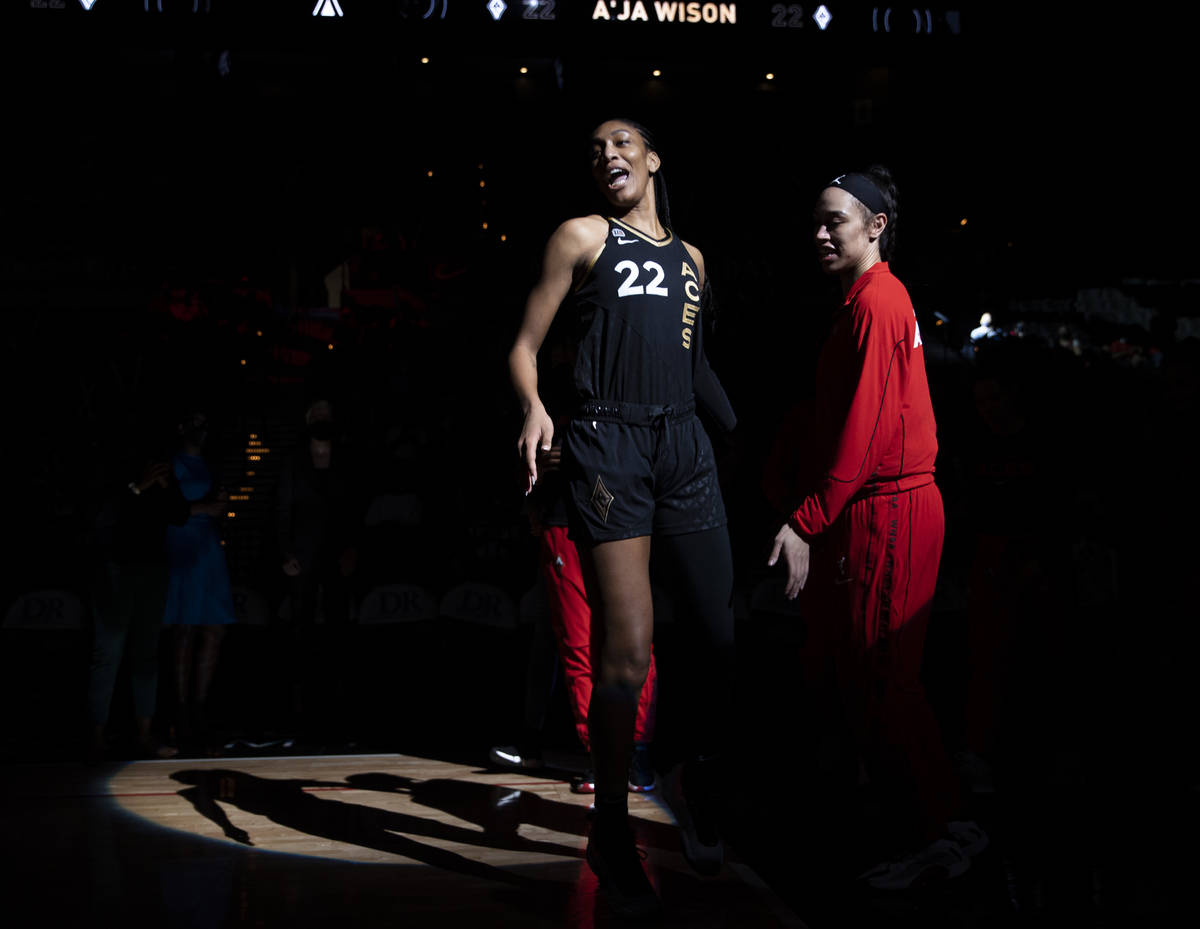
661	203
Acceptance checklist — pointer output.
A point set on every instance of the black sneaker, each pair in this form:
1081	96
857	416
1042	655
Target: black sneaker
641	773
584	783
616	861
694	802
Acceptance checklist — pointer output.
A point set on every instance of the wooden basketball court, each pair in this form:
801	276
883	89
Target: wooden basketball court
336	840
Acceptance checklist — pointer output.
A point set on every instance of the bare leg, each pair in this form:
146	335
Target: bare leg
617	576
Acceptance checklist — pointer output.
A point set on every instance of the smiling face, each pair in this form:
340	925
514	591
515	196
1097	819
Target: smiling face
622	165
846	234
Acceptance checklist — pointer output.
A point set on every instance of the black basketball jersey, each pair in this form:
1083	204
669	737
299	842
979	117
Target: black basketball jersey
639	316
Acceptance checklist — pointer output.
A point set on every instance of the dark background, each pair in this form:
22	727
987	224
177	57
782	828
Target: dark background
1050	131
177	183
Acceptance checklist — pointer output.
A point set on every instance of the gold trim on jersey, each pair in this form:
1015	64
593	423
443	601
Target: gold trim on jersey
670	237
587	272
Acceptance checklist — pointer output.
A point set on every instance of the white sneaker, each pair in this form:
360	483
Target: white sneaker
509	756
939	860
968	836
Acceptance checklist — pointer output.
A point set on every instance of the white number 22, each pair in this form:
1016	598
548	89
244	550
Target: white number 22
629	289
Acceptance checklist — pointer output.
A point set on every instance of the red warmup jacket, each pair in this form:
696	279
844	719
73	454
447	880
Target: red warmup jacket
873	429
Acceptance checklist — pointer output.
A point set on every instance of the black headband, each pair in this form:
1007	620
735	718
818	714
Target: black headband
863	189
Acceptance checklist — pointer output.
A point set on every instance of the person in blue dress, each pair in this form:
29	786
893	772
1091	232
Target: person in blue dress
199	595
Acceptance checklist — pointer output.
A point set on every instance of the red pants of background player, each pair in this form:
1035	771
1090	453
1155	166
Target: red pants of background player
572	622
878	568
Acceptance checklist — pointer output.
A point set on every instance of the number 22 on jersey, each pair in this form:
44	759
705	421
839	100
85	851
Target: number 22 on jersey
629	289
691	288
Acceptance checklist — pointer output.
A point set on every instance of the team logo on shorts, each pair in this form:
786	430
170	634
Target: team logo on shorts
601	499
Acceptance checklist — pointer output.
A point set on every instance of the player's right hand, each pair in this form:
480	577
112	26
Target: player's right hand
537	436
550	460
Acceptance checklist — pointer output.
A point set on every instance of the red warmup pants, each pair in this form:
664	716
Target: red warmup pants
878	569
572	621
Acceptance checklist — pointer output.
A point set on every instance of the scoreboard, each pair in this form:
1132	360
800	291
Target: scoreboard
764	36
586	21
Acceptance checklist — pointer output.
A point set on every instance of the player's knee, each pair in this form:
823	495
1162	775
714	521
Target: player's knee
625	666
632	667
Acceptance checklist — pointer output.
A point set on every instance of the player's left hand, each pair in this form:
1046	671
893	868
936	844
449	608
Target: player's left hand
795	553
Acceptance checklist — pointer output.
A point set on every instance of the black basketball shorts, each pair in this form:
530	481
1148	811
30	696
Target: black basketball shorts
639	469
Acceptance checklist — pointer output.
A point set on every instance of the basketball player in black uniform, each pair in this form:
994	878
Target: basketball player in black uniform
639	466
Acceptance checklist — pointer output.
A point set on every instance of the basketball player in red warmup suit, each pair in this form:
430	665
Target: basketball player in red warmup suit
868	518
